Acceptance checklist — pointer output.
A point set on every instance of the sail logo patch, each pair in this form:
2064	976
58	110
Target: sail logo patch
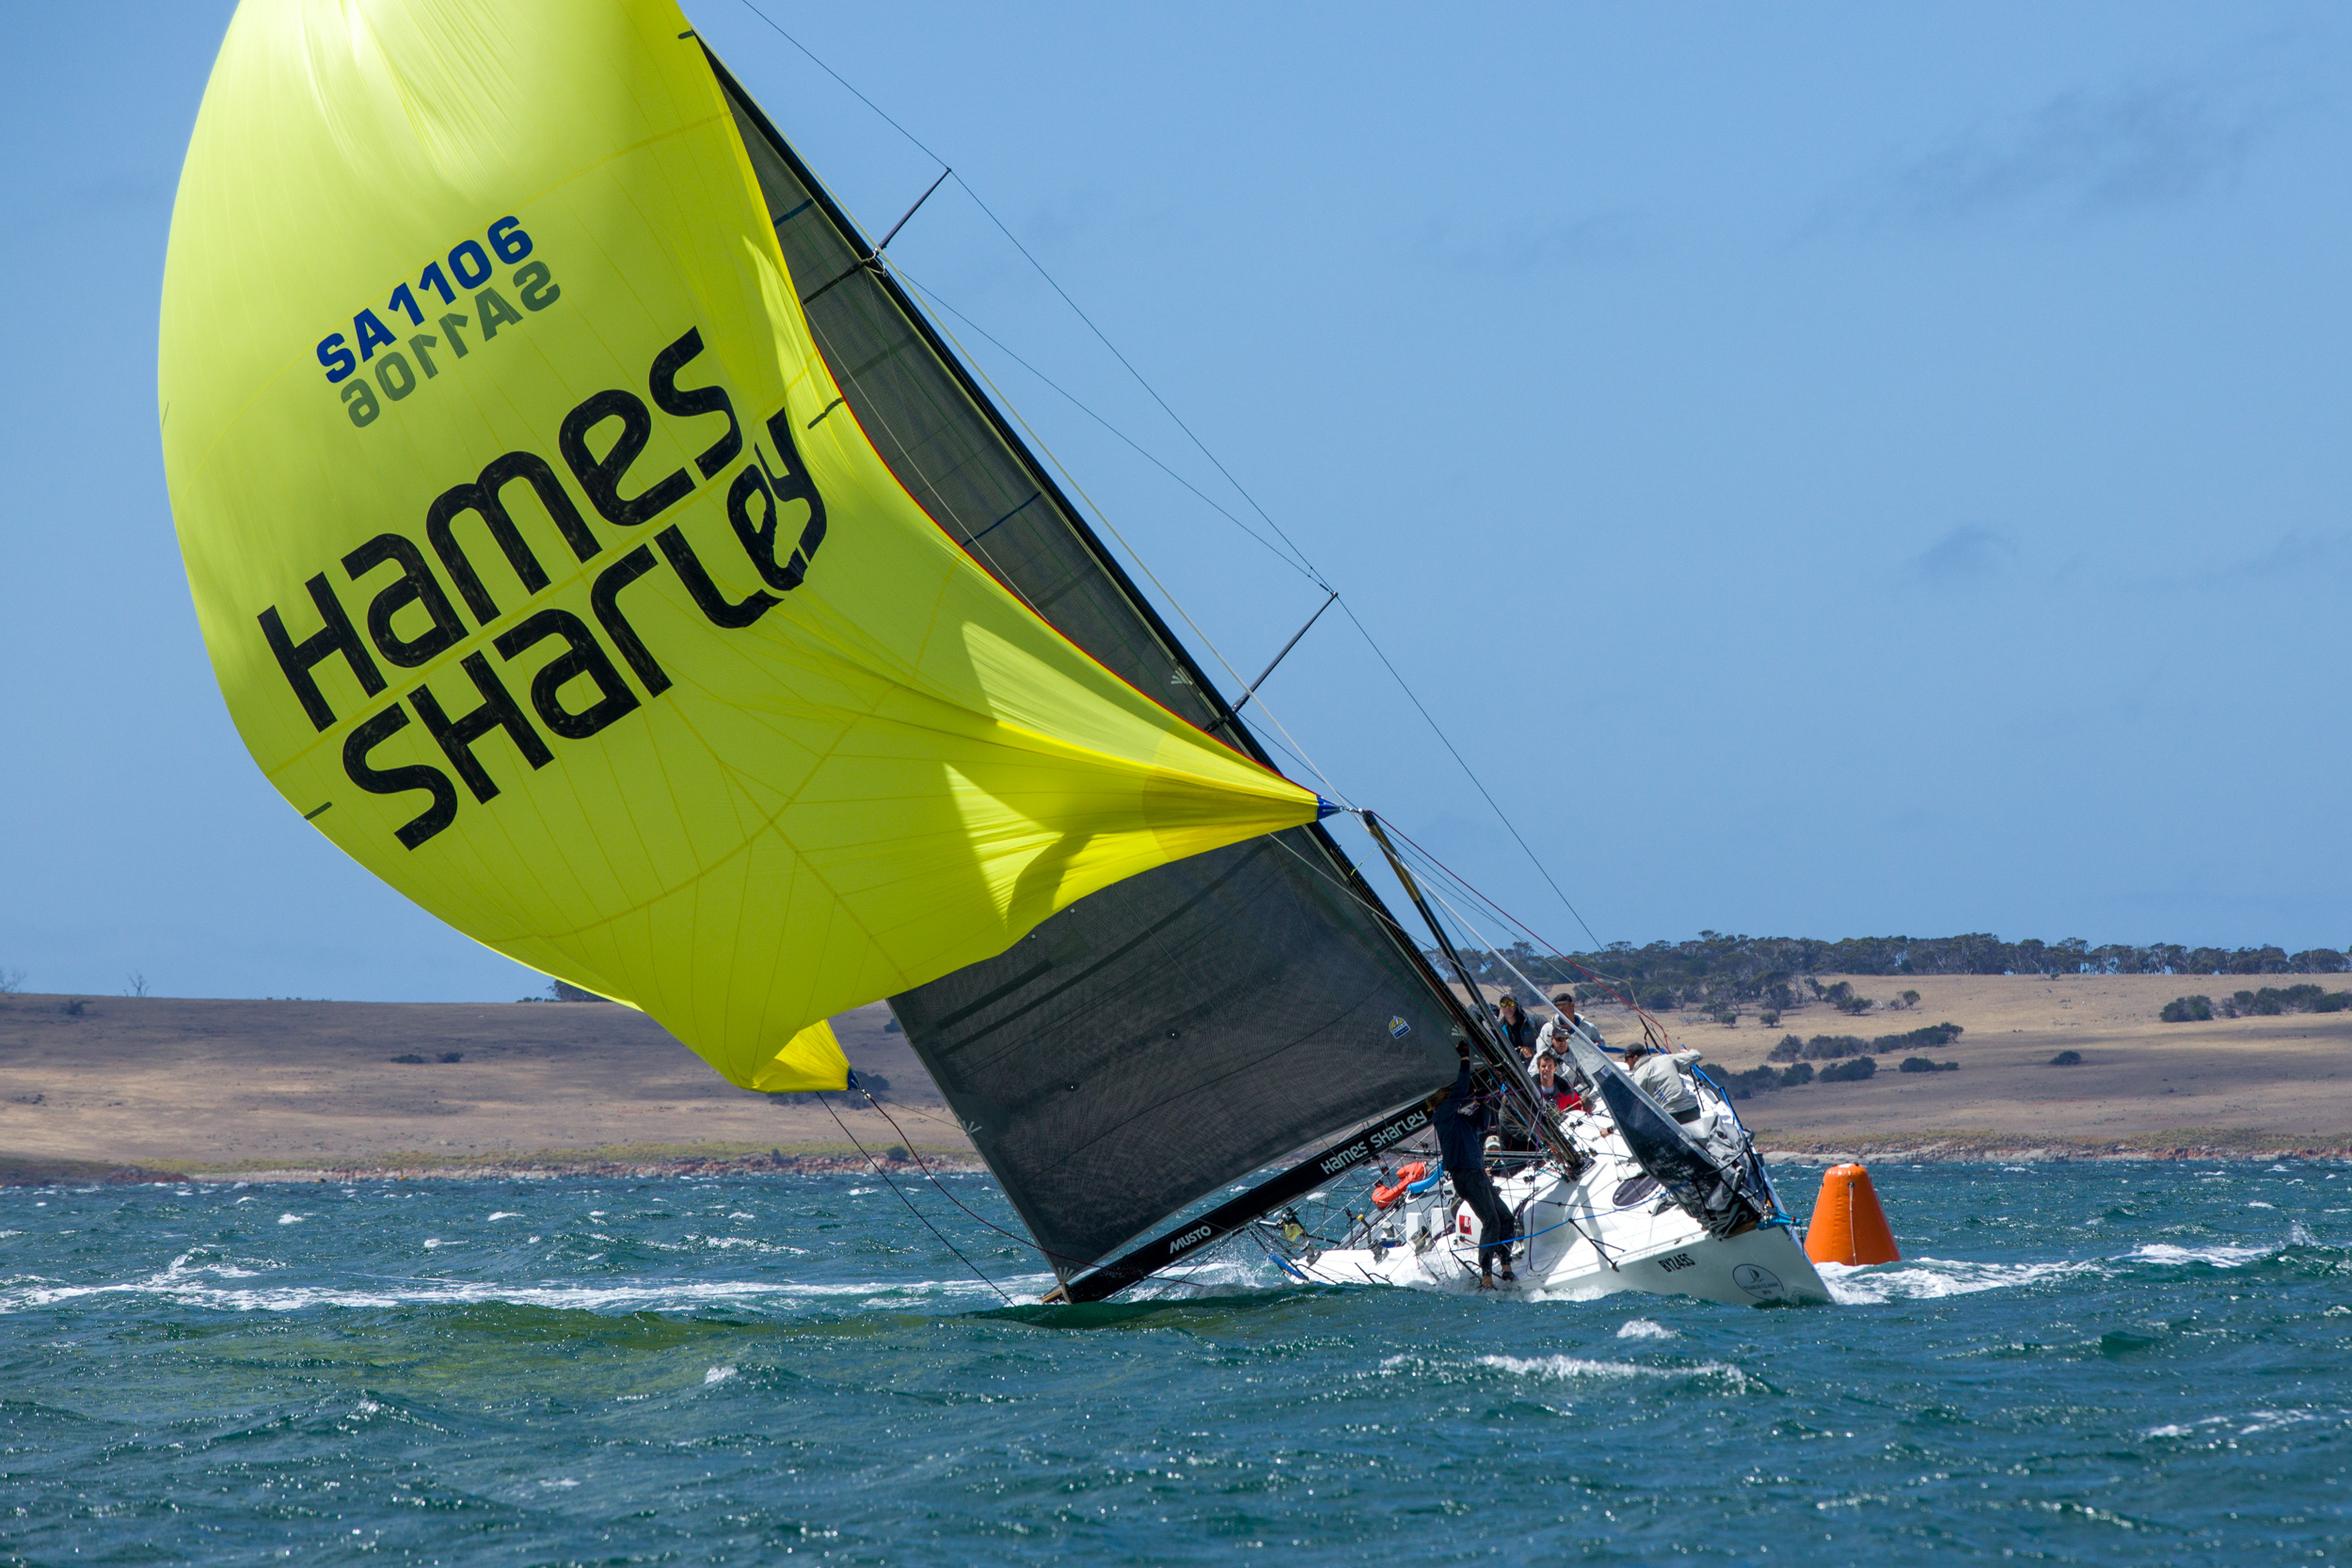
1398	1028
1198	1234
757	501
1363	1148
471	270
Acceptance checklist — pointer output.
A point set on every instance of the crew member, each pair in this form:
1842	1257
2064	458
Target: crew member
1516	1027
1461	1139
1553	1089
1556	1030
1663	1075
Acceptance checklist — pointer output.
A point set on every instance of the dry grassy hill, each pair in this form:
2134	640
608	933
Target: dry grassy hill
2246	1085
228	1085
182	1086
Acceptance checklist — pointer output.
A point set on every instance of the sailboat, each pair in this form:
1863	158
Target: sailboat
594	538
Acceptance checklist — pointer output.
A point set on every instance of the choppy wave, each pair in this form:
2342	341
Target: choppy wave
2218	1256
1585	1369
1929	1278
188	1283
1926	1278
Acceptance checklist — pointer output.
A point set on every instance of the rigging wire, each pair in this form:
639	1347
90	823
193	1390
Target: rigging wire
1469	773
910	1202
846	82
1296	563
1437	871
1330	789
1315	573
1029	1241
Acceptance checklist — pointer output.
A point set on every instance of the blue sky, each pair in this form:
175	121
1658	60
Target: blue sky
1834	471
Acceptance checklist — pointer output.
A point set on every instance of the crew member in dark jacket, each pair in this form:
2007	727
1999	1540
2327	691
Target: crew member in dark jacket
1461	1141
1516	1027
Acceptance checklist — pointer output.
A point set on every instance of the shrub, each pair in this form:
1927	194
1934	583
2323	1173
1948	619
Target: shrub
410	1057
2187	1009
1741	1085
1851	1071
2067	1058
453	1056
1917	1040
1770	1017
896	1151
1828	1048
1920	1064
1909	999
1841	996
2273	1000
1800	1073
1789	1050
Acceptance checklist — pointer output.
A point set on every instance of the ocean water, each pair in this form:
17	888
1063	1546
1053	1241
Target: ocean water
2109	1363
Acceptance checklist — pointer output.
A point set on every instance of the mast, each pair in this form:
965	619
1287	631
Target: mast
1499	1058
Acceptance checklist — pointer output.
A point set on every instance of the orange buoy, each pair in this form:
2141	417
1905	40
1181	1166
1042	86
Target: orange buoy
1848	1227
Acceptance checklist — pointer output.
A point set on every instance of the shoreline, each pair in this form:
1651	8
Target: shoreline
620	1164
1958	1148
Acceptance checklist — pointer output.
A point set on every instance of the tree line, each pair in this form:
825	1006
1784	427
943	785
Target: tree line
1776	972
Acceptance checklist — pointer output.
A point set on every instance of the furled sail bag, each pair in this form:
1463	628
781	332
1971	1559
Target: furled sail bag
545	572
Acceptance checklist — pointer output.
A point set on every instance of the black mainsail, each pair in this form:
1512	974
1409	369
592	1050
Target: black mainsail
1178	1031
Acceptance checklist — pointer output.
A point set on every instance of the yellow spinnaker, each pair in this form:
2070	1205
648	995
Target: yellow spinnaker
543	567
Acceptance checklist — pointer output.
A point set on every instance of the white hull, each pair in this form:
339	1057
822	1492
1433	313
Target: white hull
1578	1241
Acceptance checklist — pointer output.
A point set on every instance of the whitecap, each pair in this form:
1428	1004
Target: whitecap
862	1192
1573	1368
187	1289
433	1241
1929	1278
717	1374
1645	1328
739	1215
2218	1257
292	1219
508	1214
1566	1366
2259	1204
